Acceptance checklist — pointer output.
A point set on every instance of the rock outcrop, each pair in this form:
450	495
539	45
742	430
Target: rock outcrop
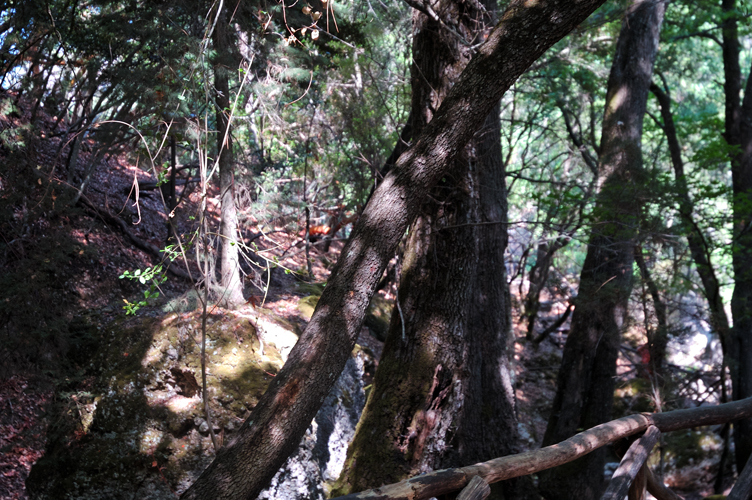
140	431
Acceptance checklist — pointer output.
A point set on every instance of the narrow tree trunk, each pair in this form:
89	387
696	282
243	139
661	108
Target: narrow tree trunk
243	467
538	278
658	338
739	353
698	245
701	255
585	389
232	287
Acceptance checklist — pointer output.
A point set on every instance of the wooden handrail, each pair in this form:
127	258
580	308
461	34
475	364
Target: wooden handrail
743	487
446	481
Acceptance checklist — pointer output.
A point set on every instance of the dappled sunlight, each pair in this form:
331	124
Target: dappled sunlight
148	407
178	404
618	98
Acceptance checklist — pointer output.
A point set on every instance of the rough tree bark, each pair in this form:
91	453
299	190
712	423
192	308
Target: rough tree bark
585	385
738	132
442	395
231	284
273	430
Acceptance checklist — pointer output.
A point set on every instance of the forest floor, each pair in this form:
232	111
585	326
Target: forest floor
102	252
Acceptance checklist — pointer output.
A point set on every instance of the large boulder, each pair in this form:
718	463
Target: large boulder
139	430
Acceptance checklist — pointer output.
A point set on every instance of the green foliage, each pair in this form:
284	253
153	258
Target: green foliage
12	137
153	276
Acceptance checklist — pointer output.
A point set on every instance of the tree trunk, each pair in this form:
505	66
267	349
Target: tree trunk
741	301
232	287
738	132
538	277
273	430
169	195
231	293
698	245
442	395
585	389
658	337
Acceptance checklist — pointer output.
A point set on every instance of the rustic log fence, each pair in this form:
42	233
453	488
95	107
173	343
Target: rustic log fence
473	480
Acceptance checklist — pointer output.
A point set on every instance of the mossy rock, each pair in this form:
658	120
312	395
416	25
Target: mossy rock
304	287
187	302
145	408
378	317
307	305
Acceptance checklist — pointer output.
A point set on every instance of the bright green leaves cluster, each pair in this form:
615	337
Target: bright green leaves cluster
153	276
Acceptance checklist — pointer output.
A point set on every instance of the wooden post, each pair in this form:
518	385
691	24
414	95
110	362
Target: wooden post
742	490
631	464
476	489
658	489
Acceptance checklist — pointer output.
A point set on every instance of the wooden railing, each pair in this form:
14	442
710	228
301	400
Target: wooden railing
473	480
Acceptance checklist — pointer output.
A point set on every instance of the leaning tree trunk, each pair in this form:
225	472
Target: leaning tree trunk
243	467
442	396
231	292
585	388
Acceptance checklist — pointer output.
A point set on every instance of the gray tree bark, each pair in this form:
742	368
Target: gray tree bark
232	286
